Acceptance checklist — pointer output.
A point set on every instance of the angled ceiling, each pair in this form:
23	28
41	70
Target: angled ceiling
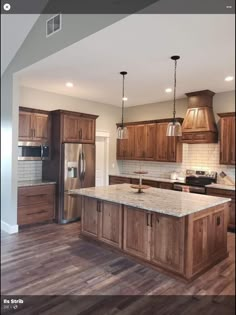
142	45
14	29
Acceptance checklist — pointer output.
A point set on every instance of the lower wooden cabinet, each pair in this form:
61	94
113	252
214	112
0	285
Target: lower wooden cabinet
118	180
136	232
168	251
36	204
110	225
225	193
185	246
90	217
102	220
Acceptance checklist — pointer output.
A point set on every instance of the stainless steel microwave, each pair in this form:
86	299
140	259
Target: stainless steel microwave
32	151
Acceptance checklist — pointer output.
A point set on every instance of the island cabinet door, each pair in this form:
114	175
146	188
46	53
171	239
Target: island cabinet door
110	230
90	217
136	232
167	241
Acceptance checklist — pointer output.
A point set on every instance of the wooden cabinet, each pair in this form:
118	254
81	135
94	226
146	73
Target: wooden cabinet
227	138
90	220
147	141
167	241
110	227
136	232
102	220
165	185
113	180
168	149
36	204
34	125
144	140
225	193
125	147
78	129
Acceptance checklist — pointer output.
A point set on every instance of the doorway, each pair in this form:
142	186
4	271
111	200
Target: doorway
102	158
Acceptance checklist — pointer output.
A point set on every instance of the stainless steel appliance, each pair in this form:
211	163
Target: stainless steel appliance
196	181
78	172
33	151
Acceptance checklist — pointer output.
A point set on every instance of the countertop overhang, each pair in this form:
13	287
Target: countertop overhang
169	202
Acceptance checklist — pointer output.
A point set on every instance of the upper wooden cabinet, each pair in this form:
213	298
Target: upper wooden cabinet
78	128
73	126
148	141
34	125
144	140
227	138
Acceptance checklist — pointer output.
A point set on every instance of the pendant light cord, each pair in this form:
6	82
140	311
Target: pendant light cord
174	112
123	95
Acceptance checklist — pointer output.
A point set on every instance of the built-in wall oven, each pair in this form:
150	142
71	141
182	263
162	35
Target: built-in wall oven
33	151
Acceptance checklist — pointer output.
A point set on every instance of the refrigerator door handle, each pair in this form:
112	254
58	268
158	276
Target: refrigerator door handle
80	166
84	164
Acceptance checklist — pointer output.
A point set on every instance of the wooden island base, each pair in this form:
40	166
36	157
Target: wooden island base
184	246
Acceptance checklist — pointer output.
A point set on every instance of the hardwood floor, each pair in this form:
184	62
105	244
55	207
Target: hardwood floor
52	260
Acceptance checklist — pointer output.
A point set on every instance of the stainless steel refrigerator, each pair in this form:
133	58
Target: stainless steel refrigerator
79	172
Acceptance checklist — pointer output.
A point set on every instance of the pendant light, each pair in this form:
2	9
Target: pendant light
174	127
122	131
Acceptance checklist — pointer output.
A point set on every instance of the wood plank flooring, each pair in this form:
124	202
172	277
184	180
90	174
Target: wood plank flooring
52	260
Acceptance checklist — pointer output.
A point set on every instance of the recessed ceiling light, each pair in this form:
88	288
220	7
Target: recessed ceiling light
69	84
125	98
229	78
168	90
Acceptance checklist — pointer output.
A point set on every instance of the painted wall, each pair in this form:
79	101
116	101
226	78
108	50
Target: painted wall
35	47
108	115
222	102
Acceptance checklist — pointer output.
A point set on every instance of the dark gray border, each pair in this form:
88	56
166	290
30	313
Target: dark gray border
119	6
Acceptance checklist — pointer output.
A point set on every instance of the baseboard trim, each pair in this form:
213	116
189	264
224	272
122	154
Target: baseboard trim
10	229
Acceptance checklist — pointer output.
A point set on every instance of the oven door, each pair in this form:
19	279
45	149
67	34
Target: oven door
189	188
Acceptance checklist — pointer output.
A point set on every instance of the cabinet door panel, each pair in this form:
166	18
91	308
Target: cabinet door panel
150	135
232	144
90	216
161	142
86	129
167	241
25	128
136	232
41	127
131	143
225	140
139	141
71	129
111	223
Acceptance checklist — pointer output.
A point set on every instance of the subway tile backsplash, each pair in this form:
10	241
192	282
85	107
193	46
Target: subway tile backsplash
29	170
195	156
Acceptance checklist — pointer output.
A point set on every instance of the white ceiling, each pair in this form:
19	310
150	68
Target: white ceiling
14	29
142	45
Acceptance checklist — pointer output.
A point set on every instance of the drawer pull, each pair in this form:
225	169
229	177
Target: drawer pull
42	211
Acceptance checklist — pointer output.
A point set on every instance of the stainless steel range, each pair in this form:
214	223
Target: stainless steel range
196	181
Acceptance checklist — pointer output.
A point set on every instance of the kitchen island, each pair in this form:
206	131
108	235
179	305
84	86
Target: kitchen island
184	234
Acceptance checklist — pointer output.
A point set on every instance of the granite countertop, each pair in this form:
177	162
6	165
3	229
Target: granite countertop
158	179
25	183
221	186
163	201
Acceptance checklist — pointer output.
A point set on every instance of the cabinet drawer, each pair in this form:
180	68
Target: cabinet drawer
150	183
221	193
165	185
118	180
36	214
36	194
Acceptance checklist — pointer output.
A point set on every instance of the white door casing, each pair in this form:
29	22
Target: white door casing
102	158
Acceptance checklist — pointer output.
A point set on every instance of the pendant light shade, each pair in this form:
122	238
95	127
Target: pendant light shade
122	131
174	128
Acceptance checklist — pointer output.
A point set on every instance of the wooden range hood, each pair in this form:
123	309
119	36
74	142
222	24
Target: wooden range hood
199	124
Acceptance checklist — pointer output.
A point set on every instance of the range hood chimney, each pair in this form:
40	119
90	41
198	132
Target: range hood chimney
199	124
